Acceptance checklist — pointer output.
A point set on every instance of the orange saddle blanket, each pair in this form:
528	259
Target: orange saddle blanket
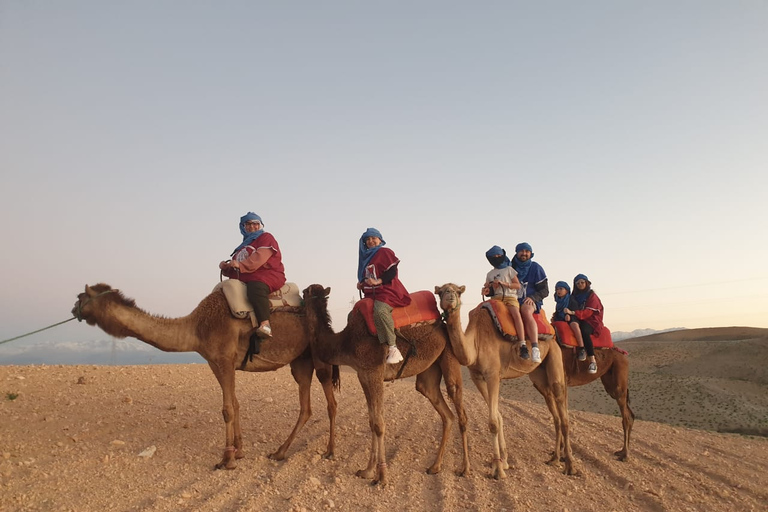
566	338
503	320
423	308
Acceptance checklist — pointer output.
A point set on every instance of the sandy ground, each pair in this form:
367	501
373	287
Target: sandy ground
72	438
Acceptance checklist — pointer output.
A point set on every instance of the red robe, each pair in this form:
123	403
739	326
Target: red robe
392	293
271	273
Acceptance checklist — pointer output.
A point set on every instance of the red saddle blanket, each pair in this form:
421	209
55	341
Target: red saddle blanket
423	308
503	320
566	338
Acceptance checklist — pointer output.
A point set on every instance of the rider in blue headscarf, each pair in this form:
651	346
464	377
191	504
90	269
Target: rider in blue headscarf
366	253
534	285
561	301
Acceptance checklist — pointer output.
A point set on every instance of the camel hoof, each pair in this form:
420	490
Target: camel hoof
239	454
434	470
225	465
329	455
499	474
463	472
276	456
622	455
364	473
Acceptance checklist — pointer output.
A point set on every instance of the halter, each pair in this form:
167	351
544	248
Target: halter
81	305
447	312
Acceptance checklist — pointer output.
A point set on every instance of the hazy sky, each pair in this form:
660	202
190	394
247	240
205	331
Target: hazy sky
624	140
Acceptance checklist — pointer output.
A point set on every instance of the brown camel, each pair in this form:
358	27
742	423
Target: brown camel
491	358
211	331
431	359
613	370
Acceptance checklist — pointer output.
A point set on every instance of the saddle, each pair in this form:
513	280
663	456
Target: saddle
286	298
421	310
502	318
566	338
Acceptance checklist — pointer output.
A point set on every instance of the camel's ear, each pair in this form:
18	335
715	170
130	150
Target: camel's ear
438	289
462	289
327	291
89	291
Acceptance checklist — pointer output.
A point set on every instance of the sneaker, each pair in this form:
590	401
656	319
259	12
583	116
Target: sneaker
265	331
393	355
592	367
536	355
582	354
524	351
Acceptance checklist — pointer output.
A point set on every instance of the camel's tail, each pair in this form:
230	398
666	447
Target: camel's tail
336	378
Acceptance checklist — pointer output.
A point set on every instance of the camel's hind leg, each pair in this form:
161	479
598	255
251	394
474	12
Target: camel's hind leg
488	384
428	384
539	379
552	378
302	370
616	383
225	374
454	385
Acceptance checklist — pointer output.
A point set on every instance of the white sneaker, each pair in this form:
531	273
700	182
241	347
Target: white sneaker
393	355
535	355
265	331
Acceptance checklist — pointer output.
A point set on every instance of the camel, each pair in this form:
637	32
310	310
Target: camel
613	371
222	340
490	358
430	360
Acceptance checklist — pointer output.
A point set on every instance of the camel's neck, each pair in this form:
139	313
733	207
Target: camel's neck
462	343
325	343
166	334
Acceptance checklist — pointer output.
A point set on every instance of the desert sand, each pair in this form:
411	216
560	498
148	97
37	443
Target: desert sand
92	438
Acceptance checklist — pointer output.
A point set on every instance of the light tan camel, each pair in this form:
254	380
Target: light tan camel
222	340
491	358
356	347
613	371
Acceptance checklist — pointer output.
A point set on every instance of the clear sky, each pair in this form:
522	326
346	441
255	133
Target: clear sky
624	140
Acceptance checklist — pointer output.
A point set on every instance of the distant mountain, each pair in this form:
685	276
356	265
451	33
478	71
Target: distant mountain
623	335
99	352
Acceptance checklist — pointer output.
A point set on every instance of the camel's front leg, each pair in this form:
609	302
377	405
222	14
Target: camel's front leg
302	371
325	374
454	385
496	426
488	386
428	384
377	463
225	374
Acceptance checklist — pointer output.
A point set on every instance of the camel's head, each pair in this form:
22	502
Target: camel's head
93	300
315	292
450	296
316	302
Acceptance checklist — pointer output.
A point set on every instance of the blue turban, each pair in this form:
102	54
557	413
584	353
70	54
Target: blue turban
248	237
497	251
563	284
524	245
581	276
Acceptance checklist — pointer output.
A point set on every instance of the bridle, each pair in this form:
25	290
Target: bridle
81	304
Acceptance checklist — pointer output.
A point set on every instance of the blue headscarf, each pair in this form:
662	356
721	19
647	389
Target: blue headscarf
522	267
581	295
365	253
497	251
562	302
248	237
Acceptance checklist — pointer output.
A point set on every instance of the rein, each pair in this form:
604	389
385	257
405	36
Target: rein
78	316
